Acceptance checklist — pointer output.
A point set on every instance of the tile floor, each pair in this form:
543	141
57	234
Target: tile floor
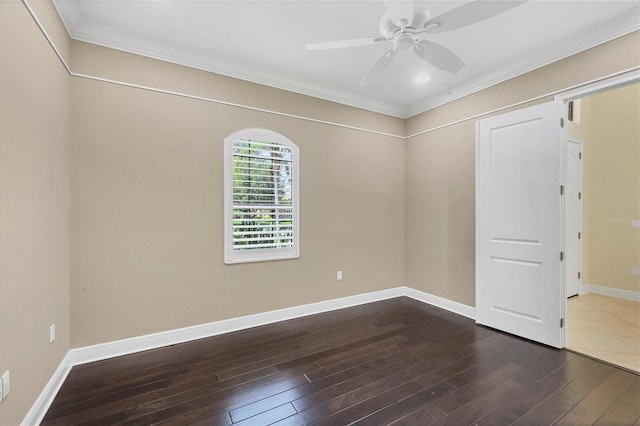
606	328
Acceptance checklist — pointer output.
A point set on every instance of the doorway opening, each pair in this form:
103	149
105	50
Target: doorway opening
521	216
602	217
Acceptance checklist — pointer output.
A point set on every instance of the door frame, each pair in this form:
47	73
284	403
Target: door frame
600	85
583	90
580	177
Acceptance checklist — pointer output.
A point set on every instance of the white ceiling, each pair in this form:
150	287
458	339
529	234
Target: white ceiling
263	41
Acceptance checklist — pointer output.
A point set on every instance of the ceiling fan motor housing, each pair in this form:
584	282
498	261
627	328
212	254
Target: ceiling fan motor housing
388	29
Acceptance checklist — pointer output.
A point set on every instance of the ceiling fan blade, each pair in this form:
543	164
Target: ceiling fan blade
378	68
469	13
400	11
345	43
438	56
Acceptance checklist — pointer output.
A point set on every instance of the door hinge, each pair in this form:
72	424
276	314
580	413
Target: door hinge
579	195
561	256
561	322
578	275
561	189
562	123
579	235
579	156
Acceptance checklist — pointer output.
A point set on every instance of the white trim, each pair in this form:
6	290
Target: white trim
604	81
628	76
627	29
580	179
188	96
269	78
232	256
48	394
601	85
614	27
611	29
131	345
232	104
172	337
633	296
46	36
441	302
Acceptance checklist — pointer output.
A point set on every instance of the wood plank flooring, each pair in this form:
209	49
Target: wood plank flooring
397	362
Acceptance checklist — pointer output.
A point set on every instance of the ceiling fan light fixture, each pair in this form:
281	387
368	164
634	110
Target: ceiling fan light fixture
422	77
404	41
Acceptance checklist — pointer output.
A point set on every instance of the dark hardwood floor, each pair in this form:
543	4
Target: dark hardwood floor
397	362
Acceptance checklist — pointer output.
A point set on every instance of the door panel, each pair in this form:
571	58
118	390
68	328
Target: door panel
519	281
515	197
513	293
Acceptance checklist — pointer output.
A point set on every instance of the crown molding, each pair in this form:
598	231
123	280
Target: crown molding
615	27
245	72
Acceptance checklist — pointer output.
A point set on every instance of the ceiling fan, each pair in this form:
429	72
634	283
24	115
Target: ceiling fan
403	24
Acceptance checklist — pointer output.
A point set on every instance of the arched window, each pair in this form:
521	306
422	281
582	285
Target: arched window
261	213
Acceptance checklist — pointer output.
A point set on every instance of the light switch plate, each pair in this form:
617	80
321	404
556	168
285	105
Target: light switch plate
635	224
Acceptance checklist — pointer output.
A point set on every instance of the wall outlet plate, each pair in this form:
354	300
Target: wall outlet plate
634	270
6	384
635	224
339	276
52	333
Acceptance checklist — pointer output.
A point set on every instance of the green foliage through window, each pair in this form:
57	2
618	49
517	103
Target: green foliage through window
262	195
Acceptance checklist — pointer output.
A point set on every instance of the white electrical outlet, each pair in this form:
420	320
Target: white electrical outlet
6	384
52	333
635	224
634	270
339	276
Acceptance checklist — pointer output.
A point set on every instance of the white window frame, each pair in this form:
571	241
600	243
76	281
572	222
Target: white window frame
232	256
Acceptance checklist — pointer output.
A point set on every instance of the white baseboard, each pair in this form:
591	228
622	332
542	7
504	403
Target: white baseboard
441	302
634	296
172	337
42	404
151	341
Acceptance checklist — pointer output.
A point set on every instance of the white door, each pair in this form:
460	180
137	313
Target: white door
519	273
573	215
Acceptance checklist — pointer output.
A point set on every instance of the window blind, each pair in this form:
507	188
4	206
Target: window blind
263	216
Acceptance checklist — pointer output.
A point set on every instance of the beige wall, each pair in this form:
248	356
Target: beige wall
612	197
34	209
440	168
134	69
147	191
